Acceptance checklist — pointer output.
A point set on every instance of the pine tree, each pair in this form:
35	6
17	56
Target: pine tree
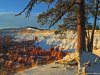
53	15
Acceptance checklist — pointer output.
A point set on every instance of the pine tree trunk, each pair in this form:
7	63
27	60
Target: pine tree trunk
88	38
81	44
93	29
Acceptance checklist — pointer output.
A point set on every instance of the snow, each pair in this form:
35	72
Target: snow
54	40
23	37
70	56
46	39
50	69
69	45
42	43
95	65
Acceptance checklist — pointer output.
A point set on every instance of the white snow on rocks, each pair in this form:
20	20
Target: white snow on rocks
47	39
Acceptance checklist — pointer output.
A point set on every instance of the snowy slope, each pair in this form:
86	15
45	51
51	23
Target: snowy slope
48	38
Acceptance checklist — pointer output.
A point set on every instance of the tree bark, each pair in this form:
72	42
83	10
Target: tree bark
90	49
81	44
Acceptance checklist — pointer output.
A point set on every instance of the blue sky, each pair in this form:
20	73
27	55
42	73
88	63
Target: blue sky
18	5
9	8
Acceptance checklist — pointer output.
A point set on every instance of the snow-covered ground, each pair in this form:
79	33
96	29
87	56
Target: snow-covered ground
50	69
94	62
47	39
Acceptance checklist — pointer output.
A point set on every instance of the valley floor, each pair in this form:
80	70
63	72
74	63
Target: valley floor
50	69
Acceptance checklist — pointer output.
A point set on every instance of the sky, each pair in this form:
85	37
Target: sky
18	5
9	8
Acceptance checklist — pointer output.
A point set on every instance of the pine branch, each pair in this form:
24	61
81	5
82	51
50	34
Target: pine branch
28	8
